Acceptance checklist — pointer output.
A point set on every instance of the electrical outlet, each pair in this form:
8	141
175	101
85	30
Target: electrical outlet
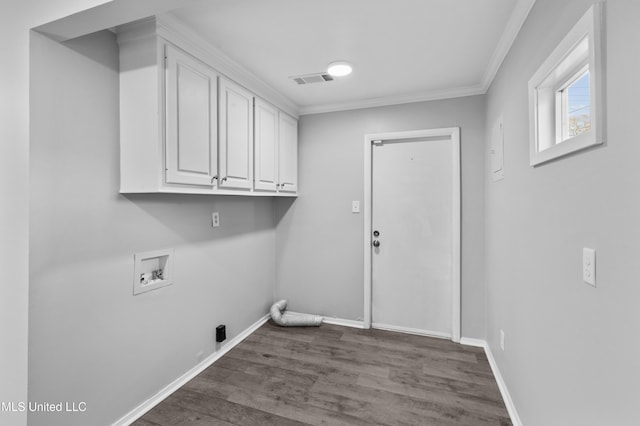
502	339
215	219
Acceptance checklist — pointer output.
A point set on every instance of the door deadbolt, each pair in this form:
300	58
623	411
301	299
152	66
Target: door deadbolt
376	234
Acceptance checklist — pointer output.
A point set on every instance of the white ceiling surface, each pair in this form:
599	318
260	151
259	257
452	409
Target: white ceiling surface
401	50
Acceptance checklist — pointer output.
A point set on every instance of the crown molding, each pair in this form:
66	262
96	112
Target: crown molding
429	95
176	31
508	37
219	60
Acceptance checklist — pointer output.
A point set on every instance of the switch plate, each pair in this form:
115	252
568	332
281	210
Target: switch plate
215	219
502	339
589	266
355	207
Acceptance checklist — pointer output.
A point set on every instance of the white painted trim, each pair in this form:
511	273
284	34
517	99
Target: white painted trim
408	330
75	26
429	95
504	391
508	37
107	15
511	30
456	230
147	405
343	322
454	134
366	214
589	26
470	341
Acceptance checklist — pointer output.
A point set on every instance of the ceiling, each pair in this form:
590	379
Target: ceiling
401	50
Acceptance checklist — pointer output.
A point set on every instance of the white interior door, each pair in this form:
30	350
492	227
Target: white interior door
414	235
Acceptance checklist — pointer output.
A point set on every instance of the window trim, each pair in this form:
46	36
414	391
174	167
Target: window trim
544	144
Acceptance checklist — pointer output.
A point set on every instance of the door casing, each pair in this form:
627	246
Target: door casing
453	133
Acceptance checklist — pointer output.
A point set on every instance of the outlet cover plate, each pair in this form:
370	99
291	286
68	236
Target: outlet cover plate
589	266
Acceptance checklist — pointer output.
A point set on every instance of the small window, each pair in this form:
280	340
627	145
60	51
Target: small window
565	94
574	105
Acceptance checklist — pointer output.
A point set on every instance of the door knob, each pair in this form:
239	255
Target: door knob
376	243
376	233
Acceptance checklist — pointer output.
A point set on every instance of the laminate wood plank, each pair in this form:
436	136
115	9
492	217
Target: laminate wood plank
434	350
265	370
227	411
449	371
333	375
167	414
299	411
465	403
425	381
282	362
367	354
391	409
341	364
143	422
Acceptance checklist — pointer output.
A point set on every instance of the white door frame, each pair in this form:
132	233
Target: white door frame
454	134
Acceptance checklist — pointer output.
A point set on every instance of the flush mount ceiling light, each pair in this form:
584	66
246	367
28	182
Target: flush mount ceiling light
339	69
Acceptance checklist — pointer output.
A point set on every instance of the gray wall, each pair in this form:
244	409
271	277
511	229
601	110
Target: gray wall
319	241
571	351
90	339
16	19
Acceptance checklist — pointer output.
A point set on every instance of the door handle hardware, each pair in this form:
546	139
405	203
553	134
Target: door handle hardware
376	243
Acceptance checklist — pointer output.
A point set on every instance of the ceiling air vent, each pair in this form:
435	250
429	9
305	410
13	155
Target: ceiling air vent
322	77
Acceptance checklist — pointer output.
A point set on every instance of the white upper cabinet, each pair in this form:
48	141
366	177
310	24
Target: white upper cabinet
266	146
191	120
236	136
276	149
184	128
288	154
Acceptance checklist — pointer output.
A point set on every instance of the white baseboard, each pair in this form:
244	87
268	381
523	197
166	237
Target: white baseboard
415	331
504	391
343	322
469	341
140	410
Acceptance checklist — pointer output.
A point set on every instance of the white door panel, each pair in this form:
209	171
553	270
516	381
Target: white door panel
236	136
412	191
191	119
266	146
288	153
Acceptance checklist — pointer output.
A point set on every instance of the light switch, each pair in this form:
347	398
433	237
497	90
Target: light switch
589	266
355	207
215	219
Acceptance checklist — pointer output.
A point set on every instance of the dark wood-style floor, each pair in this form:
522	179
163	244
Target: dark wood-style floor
338	376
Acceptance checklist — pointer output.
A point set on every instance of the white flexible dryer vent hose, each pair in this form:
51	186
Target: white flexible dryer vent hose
285	319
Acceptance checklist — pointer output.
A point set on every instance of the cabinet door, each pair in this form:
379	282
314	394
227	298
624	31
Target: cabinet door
266	146
236	136
191	139
288	154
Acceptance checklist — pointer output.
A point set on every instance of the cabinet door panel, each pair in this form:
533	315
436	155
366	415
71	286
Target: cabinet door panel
266	146
191	120
288	153
236	136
